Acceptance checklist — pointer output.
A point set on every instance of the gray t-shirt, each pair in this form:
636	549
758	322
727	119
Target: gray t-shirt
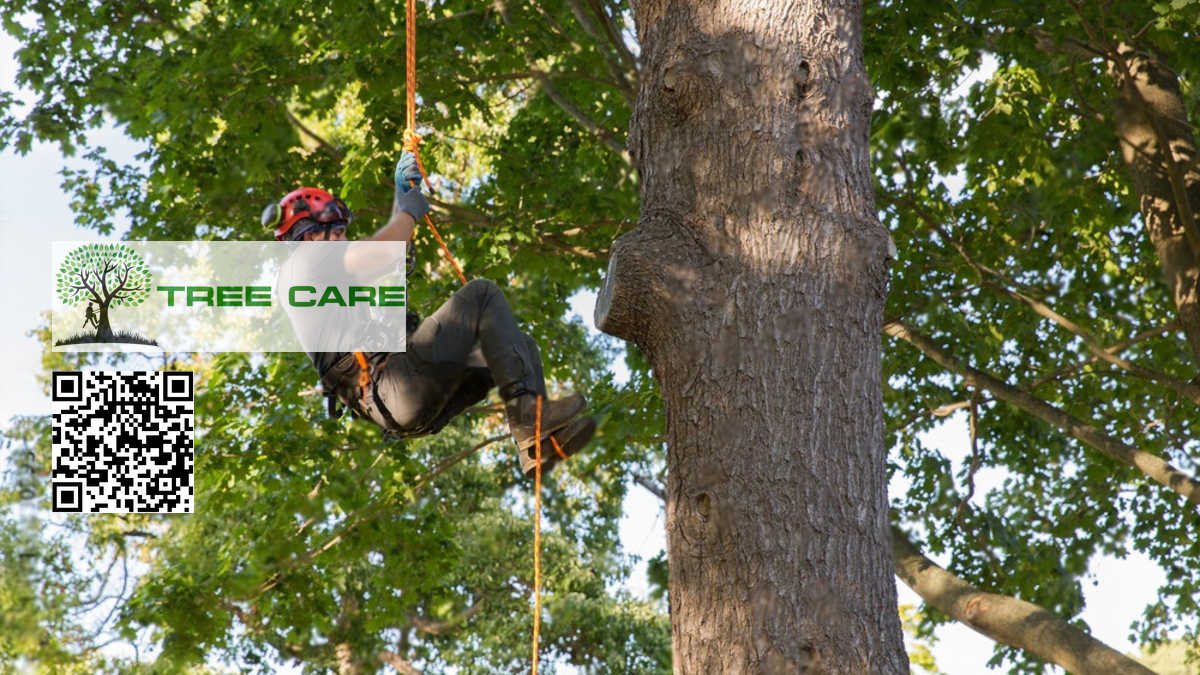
337	330
309	264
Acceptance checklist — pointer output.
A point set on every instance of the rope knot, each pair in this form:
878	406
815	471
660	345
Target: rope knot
411	140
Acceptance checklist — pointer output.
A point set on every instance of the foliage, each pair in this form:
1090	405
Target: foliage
1170	658
995	98
999	176
919	647
54	614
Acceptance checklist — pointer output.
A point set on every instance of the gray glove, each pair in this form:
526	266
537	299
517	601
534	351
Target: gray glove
408	173
413	203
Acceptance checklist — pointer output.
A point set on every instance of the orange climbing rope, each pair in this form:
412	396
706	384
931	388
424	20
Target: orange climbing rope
537	530
410	63
411	139
363	377
557	448
537	523
411	144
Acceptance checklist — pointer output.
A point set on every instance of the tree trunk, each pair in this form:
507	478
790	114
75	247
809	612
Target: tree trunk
346	628
347	663
103	329
754	282
1160	150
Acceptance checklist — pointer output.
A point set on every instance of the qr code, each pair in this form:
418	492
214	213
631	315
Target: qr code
122	441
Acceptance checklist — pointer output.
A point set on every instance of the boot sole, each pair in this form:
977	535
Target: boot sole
571	439
550	428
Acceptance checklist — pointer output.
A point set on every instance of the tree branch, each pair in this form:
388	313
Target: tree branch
1000	283
153	15
614	36
393	659
92	602
612	62
1152	465
1008	620
432	627
580	251
652	485
249	619
324	144
1152	130
940	411
295	121
1185	389
556	27
610	141
976	458
348	662
465	214
1005	619
534	74
457	457
369	514
1114	350
1127	79
444	19
1071	46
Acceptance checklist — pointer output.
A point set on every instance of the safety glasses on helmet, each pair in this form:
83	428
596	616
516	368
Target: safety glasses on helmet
335	210
305	226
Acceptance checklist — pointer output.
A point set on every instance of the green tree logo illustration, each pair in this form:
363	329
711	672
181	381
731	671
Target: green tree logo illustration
103	276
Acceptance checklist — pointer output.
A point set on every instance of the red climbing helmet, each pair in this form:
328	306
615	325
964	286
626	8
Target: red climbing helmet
309	203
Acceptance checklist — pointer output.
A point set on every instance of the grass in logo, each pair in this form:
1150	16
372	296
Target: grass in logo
103	277
119	336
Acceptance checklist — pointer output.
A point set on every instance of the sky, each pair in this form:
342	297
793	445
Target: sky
34	212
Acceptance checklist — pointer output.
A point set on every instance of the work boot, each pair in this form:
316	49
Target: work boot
571	440
556	414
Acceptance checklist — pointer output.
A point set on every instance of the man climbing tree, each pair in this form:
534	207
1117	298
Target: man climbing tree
1016	98
454	357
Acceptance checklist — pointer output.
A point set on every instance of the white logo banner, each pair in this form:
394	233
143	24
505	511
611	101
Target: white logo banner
319	296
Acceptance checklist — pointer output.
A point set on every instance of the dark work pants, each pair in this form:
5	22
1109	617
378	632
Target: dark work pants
471	343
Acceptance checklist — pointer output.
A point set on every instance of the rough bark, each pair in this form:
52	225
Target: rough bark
1008	620
1002	618
754	282
1159	149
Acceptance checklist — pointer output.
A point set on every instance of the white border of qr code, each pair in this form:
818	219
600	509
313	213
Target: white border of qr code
123	441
